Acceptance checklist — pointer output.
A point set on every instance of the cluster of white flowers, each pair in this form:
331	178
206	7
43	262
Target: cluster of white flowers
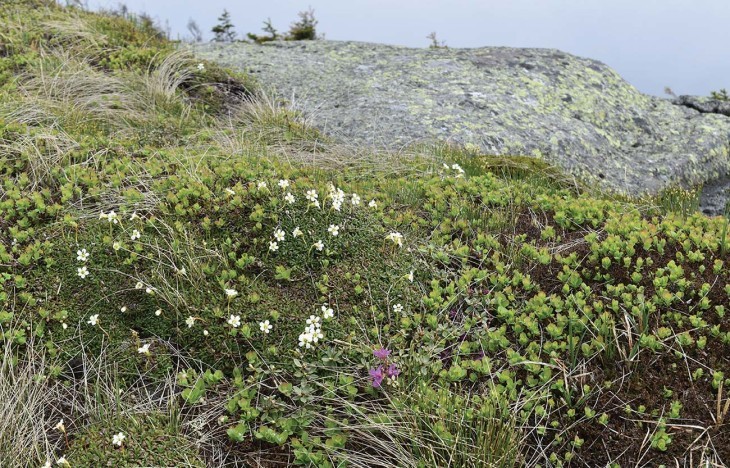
135	235
396	238
337	196
313	330
455	167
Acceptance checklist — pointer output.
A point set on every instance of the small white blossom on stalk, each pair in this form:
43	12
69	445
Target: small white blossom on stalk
289	198
279	235
64	325
123	309
373	204
144	349
190	321
234	321
201	67
205	332
398	308
296	232
265	326
273	246
334	229
135	235
319	245
82	255
118	439
311	195
60	426
327	312
93	320
410	276
355	199
230	191
283	184
396	238
313	320
158	312
112	217
82	272
261	185
231	292
62	462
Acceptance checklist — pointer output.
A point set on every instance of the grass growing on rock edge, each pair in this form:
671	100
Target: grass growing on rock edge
452	309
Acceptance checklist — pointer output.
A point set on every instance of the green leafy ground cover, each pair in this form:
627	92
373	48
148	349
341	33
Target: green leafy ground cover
185	262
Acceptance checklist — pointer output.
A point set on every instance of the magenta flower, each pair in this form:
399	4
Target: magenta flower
392	371
377	376
381	353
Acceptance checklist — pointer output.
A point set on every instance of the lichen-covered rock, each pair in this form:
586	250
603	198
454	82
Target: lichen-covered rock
575	112
706	105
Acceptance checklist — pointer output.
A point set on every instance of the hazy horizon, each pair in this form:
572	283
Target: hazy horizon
652	44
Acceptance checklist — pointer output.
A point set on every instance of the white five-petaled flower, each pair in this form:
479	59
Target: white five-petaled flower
231	292
112	217
60	426
373	204
355	199
261	185
279	235
62	461
93	320
265	326
116	246
313	320
82	272
312	196
319	245
283	183
234	321
296	232
327	312
144	349
398	308
396	238
334	229
201	67
190	321
82	255
158	312
135	235
289	198
118	439
273	246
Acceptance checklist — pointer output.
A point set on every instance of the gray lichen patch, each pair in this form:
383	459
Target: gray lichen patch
574	112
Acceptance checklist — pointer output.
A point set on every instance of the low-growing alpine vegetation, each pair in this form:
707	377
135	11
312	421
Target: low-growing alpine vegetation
191	275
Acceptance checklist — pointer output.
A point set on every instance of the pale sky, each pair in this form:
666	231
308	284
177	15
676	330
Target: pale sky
683	44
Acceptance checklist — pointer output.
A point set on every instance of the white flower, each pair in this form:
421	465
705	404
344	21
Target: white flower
190	321
118	439
296	232
273	246
230	191
398	308
135	235
116	246
396	237
355	199
82	272
457	168
312	196
327	312
319	245
205	332
261	185
334	229
112	217
149	290
158	312
60	426
231	292
289	198
93	320
314	320
283	183
139	285
82	255
316	203
372	204
64	325
234	321
144	349
201	67
305	340
265	326
133	216
62	461
182	271
279	235
410	276
123	309
47	464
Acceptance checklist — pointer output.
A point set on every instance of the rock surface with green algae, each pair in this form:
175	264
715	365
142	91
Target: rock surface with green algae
575	112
